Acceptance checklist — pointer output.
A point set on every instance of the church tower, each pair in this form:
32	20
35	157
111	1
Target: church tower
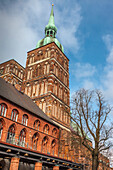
47	76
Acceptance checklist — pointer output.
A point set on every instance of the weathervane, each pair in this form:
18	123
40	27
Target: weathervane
52	3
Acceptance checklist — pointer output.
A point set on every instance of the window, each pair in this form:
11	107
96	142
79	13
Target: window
35	141
47	32
24	120
3	109
1	128
14	115
22	137
53	144
44	144
51	32
54	132
1	72
11	134
36	124
46	129
37	70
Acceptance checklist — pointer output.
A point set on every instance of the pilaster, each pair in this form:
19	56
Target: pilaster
56	167
38	166
14	163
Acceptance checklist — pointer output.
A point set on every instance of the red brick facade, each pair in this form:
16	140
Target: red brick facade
34	136
47	86
38	166
14	163
47	82
12	72
28	139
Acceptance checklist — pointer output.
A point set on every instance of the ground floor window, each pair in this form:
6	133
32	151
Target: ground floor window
26	166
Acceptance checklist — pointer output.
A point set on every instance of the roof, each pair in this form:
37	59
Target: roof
51	23
14	61
10	93
50	33
48	40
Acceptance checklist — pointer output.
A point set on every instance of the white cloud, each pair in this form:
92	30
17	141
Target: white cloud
107	79
110	57
22	24
68	25
88	84
108	39
83	70
17	33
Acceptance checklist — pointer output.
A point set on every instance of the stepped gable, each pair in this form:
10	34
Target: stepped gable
10	93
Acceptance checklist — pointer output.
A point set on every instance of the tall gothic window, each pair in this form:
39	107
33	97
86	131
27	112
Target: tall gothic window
14	115
22	137
35	141
40	70
1	128
3	109
54	132
24	119
36	124
53	144
37	70
44	144
46	129
11	134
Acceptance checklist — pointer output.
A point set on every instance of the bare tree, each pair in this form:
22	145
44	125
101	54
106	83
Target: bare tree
90	113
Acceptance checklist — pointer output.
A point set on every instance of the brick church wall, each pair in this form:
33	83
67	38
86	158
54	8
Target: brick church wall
29	128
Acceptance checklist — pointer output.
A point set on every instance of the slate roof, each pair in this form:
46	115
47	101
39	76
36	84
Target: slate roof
9	92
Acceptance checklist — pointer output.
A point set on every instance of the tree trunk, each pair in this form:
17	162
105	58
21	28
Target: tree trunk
95	162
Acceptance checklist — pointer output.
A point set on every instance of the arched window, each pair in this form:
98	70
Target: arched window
46	129
47	32
36	124
44	144
24	120
35	141
22	137
14	115
1	128
40	70
3	109
53	144
51	32
54	132
11	134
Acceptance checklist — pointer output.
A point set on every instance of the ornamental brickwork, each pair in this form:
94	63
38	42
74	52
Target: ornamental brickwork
12	72
26	130
47	82
33	138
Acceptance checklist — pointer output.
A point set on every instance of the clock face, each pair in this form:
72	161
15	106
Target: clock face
1	72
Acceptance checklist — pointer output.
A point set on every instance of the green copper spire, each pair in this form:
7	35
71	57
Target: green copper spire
50	29
50	33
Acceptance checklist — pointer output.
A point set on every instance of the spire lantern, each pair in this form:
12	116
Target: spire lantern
50	29
50	33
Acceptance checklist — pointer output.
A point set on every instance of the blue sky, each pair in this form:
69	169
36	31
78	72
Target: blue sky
85	29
